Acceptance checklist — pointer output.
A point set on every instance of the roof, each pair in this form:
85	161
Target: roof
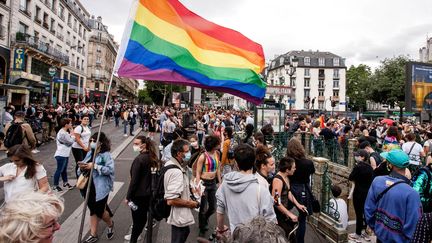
314	59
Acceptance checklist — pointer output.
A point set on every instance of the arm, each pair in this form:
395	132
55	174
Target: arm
277	185
373	162
173	183
43	184
296	203
108	168
30	135
199	167
134	180
225	149
218	172
78	140
178	202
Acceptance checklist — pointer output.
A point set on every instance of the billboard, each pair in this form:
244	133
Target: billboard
418	95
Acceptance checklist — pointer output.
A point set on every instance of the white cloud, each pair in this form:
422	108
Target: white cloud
363	31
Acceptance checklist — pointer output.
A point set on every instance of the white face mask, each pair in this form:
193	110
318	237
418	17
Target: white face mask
194	144
93	145
137	148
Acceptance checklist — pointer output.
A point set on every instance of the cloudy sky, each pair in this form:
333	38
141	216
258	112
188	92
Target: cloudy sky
364	31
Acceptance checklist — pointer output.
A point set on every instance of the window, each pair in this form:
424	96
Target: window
52	25
61	11
307	72
320	105
306	93
307	61
70	20
23	28
292	82
24	5
37	13
36	35
336	73
321	93
307	82
321	73
335	83
82	64
336	61
321	84
336	93
321	61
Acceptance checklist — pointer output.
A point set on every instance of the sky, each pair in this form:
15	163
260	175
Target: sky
362	31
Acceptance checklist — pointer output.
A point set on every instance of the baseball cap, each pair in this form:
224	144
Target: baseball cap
362	153
396	157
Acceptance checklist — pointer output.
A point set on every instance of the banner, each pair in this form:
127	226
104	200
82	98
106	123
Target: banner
19	59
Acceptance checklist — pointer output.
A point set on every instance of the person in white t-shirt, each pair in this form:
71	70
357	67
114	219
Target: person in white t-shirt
23	174
414	151
338	207
65	139
82	141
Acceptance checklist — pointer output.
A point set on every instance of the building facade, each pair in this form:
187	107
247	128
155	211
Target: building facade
47	42
101	59
425	53
318	81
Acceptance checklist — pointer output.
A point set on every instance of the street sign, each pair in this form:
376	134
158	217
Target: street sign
342	103
61	80
279	90
52	71
291	101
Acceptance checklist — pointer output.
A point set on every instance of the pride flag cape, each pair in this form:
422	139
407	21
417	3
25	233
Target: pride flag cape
164	41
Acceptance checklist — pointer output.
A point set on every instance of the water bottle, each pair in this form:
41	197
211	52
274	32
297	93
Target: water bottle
133	206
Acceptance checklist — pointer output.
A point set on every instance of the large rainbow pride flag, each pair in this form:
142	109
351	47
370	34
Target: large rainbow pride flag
164	41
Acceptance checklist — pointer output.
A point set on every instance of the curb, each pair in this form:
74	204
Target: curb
125	143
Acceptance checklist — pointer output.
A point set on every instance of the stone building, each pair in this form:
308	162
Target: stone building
425	53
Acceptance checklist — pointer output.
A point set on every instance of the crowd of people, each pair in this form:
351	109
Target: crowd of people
217	163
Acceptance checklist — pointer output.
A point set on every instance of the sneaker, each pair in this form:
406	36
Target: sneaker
125	135
91	239
355	237
365	237
68	186
128	237
57	189
35	151
110	231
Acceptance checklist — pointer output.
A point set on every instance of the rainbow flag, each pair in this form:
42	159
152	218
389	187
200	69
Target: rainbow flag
164	41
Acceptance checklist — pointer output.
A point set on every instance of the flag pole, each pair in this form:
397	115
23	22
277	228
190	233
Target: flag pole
120	53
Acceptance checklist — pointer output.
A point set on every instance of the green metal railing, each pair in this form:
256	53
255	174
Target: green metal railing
336	151
328	207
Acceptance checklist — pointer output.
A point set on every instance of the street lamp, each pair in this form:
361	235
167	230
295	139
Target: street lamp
290	67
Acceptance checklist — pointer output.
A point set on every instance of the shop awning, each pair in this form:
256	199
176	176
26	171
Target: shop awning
13	86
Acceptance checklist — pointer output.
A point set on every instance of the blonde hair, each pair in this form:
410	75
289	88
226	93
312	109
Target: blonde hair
22	218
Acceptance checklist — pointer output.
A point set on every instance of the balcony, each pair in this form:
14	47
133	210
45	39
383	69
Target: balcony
335	98
45	25
39	48
336	76
99	77
53	31
321	76
25	11
75	9
69	24
38	20
60	36
48	4
321	98
321	86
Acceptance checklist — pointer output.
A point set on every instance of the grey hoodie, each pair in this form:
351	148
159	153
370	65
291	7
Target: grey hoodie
242	198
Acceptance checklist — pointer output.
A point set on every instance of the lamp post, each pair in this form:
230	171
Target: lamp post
290	67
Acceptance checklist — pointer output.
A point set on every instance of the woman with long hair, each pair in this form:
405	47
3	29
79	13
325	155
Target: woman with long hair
208	171
139	192
281	186
102	184
228	161
64	141
23	173
300	182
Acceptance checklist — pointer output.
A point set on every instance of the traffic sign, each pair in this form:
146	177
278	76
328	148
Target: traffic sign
61	80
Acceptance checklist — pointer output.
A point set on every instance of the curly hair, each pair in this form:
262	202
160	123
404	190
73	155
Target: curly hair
295	149
22	218
258	230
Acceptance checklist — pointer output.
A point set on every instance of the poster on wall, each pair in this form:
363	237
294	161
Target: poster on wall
274	117
418	94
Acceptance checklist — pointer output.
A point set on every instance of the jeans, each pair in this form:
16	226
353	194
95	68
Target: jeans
208	198
200	137
125	124
300	193
117	121
131	128
179	234
91	118
62	163
139	217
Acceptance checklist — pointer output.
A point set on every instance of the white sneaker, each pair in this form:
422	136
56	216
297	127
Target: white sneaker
35	151
355	237
125	135
365	236
128	237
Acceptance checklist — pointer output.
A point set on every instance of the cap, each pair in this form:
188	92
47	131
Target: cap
362	153
396	157
364	144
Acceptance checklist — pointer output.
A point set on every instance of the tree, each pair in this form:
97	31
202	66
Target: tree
159	92
358	81
388	83
144	97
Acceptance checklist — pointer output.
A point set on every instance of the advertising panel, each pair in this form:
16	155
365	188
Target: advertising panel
18	63
418	96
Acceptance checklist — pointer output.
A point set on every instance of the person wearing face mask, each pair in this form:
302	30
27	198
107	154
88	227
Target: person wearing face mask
102	184
177	193
362	176
139	191
281	186
207	170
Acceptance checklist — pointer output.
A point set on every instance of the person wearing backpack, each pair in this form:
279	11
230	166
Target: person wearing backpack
393	207
422	183
177	193
19	132
82	141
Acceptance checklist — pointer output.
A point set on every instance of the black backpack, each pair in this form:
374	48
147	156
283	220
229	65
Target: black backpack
14	135
158	205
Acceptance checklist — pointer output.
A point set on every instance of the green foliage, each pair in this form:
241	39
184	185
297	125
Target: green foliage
388	82
358	82
144	97
159	92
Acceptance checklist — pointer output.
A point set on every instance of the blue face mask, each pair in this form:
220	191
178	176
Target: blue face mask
187	156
